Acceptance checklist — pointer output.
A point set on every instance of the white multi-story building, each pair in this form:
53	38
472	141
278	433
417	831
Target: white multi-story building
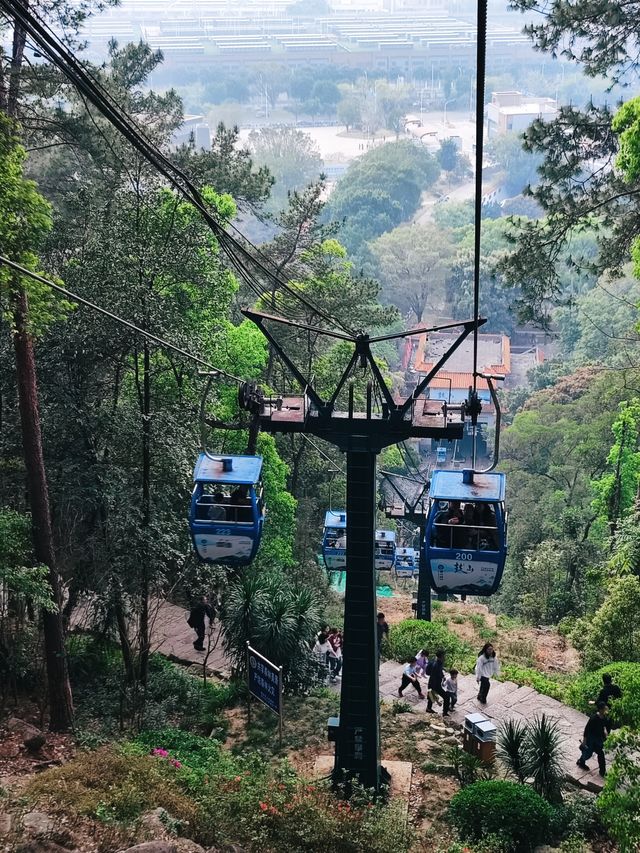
513	112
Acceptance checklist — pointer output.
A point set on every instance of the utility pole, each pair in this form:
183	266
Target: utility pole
361	436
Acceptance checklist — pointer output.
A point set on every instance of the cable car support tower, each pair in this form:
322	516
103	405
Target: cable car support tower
361	435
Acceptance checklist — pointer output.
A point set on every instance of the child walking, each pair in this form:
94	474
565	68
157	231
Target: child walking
410	676
450	692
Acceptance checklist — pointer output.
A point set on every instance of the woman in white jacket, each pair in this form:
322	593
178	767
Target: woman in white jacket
487	666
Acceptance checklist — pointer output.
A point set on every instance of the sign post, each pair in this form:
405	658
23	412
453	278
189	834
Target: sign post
264	680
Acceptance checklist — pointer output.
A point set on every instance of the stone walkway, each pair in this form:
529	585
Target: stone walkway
172	637
506	700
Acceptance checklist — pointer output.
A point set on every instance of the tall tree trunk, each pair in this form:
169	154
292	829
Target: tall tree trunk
60	701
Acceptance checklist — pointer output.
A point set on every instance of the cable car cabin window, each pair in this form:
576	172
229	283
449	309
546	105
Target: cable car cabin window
218	503
467	525
335	537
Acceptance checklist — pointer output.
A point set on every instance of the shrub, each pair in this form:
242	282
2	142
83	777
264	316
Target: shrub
406	638
619	803
624	711
511	739
513	812
111	785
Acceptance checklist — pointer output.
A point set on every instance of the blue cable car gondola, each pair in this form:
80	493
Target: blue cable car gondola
466	534
334	544
227	509
334	540
385	550
406	563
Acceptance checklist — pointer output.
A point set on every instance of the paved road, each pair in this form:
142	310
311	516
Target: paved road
507	701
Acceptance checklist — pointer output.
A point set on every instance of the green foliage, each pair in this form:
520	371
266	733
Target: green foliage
113	786
22	582
533	751
278	618
544	683
511	738
291	158
619	803
412	263
107	702
410	635
616	490
468	768
380	190
513	812
25	220
624	711
613	632
215	798
519	166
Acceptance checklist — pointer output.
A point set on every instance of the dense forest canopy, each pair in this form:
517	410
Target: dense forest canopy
100	425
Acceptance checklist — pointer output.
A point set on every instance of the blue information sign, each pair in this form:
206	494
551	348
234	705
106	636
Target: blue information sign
265	680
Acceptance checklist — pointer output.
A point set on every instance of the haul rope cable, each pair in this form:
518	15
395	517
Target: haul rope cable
57	52
71	295
481	49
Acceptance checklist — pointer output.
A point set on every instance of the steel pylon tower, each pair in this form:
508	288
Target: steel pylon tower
361	436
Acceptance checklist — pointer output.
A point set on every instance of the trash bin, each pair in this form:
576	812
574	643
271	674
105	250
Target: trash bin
479	737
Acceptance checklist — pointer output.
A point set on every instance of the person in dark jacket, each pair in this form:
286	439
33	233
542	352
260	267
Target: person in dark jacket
609	690
595	734
196	619
436	677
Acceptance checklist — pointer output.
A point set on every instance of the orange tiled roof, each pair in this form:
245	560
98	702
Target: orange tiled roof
462	379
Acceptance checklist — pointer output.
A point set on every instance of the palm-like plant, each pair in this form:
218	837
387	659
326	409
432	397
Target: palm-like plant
278	619
543	758
511	741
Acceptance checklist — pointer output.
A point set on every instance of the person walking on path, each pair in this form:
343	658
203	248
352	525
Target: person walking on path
595	733
609	690
335	662
487	666
450	692
382	629
436	677
422	662
410	676
323	652
196	619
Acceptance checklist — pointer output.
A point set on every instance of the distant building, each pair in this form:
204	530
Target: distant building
513	112
193	128
452	384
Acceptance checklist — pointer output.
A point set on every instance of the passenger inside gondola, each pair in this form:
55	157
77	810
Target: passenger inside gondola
469	525
219	506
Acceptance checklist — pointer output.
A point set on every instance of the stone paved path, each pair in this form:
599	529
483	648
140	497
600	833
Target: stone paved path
172	637
506	700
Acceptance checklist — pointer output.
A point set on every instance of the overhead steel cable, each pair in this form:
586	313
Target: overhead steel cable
149	335
52	46
481	52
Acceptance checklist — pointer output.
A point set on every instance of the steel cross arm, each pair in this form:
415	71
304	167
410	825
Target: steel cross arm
387	475
252	314
379	377
343	379
469	326
419	331
258	319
